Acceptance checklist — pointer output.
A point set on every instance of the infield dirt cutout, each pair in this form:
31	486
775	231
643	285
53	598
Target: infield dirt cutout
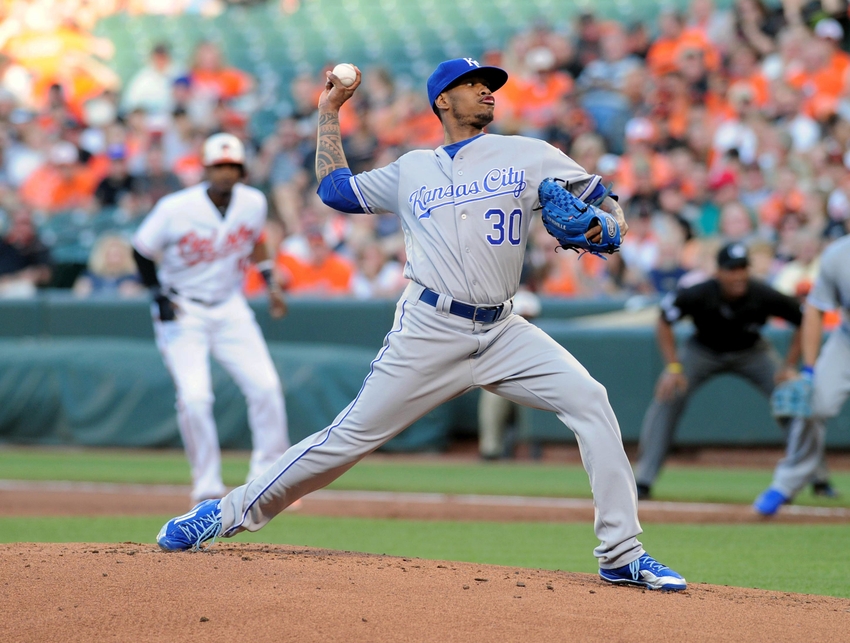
233	592
259	593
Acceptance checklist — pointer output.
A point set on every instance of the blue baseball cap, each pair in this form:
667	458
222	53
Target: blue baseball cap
450	71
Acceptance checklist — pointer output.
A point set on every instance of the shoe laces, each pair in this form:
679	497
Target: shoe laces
648	562
201	529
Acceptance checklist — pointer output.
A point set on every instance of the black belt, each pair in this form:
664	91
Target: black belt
208	304
483	314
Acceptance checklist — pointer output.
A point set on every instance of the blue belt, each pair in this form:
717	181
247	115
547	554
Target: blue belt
483	314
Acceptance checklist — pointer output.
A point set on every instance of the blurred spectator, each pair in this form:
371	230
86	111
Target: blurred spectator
668	268
25	149
763	261
322	272
530	98
111	270
376	275
283	164
601	83
151	88
757	24
213	81
742	108
156	181
118	184
736	223
588	38
61	184
24	260
797	276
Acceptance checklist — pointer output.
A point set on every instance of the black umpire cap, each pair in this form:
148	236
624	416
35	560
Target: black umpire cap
733	255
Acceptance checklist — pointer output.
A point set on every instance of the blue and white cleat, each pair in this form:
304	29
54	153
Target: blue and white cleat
193	529
769	502
645	572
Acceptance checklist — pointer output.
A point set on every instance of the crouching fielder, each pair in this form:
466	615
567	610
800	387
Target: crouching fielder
826	379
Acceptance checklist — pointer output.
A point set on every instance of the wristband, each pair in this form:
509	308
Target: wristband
674	367
808	370
265	268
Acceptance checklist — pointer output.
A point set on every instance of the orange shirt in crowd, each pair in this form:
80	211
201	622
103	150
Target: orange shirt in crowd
566	276
661	57
331	277
777	205
660	170
51	190
532	100
823	87
225	83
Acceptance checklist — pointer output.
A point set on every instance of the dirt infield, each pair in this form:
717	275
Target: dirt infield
134	592
234	592
83	499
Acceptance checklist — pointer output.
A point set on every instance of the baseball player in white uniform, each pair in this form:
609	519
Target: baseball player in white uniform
465	209
201	239
828	370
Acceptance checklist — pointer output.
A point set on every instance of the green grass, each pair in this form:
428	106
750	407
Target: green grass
729	485
764	556
768	556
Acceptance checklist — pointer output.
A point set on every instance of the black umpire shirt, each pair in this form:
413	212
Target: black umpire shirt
723	325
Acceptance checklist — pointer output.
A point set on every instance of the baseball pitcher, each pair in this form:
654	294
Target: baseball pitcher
191	251
465	209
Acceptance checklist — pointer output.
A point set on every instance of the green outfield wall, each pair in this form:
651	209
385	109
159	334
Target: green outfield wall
83	372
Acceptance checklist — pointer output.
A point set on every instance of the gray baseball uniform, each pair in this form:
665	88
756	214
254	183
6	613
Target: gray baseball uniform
465	221
831	383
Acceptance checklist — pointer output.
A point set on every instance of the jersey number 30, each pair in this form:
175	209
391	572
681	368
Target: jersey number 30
505	226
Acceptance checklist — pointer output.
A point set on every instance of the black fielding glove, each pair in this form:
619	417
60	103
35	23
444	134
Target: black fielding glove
167	310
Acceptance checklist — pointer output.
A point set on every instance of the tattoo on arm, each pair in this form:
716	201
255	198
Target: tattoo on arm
611	206
329	153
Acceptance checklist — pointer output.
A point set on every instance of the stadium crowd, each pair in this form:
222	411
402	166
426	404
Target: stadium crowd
714	125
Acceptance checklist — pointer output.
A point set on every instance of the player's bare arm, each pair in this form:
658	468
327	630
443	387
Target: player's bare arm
672	380
795	349
811	334
262	260
329	153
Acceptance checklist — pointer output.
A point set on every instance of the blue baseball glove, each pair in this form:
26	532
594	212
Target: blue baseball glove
568	218
792	399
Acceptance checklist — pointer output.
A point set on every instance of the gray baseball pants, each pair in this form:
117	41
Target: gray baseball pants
758	365
806	449
431	356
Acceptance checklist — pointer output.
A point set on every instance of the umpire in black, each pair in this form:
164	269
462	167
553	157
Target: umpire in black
728	312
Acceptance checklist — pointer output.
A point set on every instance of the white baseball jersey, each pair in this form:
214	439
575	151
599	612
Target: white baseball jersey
466	219
202	255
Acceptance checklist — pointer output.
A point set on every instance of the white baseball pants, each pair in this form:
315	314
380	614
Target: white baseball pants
429	357
229	332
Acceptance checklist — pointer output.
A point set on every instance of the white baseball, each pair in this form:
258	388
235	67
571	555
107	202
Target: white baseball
346	73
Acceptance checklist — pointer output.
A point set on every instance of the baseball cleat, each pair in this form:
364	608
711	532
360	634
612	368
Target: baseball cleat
645	572
824	490
193	529
769	502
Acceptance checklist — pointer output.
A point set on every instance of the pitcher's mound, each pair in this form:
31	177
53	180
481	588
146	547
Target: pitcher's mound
249	592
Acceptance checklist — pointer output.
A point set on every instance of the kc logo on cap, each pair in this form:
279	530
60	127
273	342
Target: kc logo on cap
450	71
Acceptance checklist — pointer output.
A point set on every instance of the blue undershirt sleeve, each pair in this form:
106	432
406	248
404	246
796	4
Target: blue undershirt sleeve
335	192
